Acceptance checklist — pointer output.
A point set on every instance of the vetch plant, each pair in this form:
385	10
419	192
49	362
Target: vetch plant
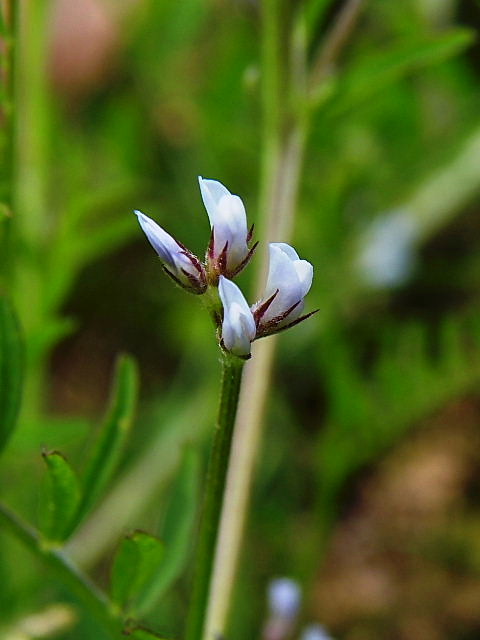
288	282
238	324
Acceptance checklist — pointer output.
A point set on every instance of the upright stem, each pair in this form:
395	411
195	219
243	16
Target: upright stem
284	141
217	470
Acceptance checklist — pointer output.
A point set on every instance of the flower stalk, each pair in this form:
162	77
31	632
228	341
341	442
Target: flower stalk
232	367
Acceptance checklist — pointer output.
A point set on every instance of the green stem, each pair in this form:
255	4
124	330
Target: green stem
80	584
217	470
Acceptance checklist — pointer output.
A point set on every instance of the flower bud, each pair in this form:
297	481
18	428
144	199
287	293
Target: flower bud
228	252
178	262
238	326
288	282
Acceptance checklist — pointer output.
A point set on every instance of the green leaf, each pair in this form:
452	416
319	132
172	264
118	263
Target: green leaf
11	370
113	434
140	633
135	564
62	497
177	530
375	73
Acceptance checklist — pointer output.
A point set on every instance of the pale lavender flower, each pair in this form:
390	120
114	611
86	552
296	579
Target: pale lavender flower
284	597
238	326
178	262
228	252
288	282
315	632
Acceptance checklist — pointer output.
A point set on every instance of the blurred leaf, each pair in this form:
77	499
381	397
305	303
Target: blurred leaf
11	370
113	434
315	11
140	633
62	497
136	563
177	530
373	74
105	238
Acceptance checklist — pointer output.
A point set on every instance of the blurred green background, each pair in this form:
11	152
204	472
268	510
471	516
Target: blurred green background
368	478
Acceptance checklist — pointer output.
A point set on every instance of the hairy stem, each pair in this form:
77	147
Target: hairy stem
217	470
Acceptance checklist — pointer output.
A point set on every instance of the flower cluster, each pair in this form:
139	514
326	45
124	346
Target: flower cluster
229	251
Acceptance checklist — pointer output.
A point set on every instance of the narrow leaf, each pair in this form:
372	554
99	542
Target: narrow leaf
113	434
62	497
177	530
375	73
140	633
136	562
11	370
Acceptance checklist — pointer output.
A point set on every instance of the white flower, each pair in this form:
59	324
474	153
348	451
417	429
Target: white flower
238	326
178	262
284	598
228	252
315	632
288	282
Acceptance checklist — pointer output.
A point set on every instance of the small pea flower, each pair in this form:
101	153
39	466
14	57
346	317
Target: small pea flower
228	252
238	325
315	632
288	282
178	262
284	597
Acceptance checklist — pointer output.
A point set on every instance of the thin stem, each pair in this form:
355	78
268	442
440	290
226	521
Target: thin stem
335	41
280	189
80	584
217	470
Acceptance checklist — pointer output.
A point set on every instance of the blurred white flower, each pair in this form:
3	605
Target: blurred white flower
315	632
178	262
284	597
387	255
238	326
228	252
288	282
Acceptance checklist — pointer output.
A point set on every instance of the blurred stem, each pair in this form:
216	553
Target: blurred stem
335	41
217	470
285	136
30	199
94	599
9	13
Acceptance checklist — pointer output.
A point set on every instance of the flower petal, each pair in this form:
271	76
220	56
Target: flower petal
212	192
161	241
238	327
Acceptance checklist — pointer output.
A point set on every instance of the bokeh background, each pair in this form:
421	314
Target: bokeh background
367	487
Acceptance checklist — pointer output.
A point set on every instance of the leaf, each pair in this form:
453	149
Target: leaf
136	562
375	73
177	530
140	633
113	434
62	497
11	370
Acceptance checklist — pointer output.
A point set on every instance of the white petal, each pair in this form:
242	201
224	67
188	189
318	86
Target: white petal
305	274
212	192
161	241
292	278
283	276
238	328
286	248
167	248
